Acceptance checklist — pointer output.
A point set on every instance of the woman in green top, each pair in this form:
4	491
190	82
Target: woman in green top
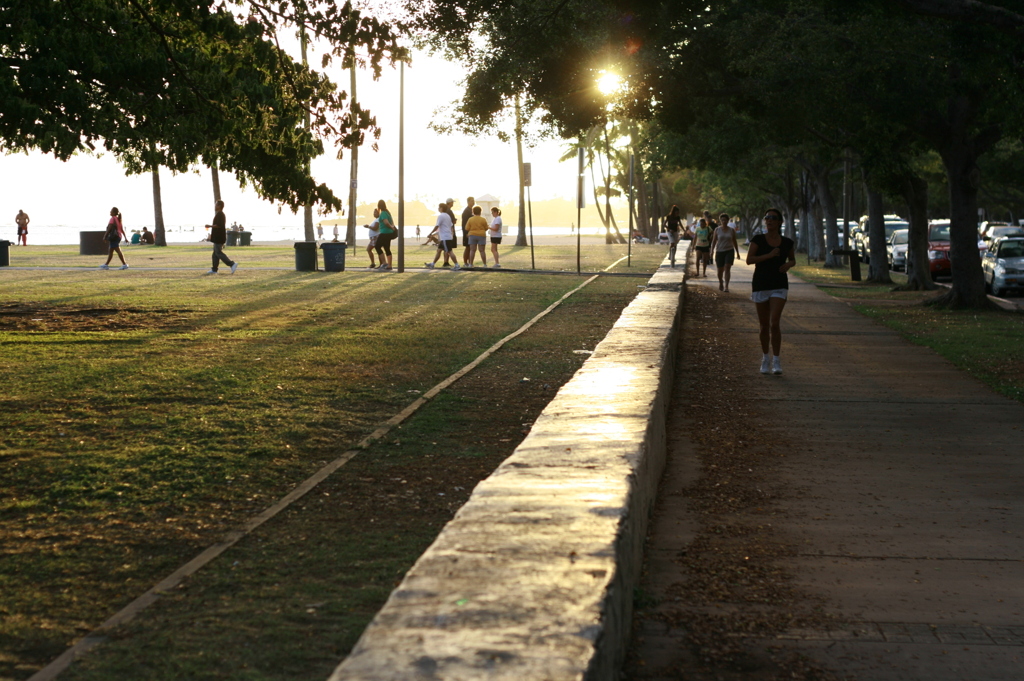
387	232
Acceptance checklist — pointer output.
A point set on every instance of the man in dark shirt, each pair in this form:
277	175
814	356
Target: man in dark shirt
218	235
466	215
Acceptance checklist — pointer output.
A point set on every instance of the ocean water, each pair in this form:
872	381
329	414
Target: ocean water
52	235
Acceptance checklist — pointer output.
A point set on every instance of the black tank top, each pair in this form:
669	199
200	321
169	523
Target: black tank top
767	276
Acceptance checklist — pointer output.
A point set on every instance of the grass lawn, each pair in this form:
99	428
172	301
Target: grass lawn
147	412
988	344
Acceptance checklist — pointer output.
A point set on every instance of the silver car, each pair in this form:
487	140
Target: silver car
896	249
1003	265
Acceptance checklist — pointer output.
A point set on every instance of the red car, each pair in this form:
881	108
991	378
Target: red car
938	248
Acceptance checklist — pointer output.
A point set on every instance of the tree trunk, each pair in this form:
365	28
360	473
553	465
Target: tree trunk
643	213
353	174
521	236
818	232
919	276
159	237
216	181
878	269
828	204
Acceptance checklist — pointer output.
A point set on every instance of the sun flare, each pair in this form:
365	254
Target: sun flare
609	83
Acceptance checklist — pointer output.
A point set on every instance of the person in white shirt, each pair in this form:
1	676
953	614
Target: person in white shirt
373	237
495	233
445	229
725	248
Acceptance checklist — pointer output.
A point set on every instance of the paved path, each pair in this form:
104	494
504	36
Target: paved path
893	487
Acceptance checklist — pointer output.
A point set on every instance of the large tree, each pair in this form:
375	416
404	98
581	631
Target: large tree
182	82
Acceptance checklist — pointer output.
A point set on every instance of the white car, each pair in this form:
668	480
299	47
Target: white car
1003	265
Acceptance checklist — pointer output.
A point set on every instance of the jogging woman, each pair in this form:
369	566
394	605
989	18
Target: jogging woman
113	237
772	255
724	246
386	232
674	227
702	244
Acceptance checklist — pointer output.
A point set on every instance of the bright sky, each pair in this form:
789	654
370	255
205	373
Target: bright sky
82	191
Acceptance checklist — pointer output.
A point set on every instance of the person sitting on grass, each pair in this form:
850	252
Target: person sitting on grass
147	236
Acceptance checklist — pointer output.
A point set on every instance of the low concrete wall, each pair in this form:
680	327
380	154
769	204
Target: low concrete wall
534	577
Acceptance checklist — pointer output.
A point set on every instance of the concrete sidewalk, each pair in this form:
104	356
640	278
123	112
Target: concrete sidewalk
895	491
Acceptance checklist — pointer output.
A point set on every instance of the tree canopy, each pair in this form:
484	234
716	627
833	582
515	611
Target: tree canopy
181	82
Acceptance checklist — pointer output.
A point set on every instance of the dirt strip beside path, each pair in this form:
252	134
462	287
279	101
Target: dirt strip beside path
858	517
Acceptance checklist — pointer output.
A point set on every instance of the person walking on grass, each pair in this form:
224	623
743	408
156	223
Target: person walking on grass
725	248
22	220
477	229
218	235
702	245
495	234
114	236
373	229
447	243
772	255
386	232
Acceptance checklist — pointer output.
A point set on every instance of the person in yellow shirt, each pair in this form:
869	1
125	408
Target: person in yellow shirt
477	229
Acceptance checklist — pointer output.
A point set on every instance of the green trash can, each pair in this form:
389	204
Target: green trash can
334	256
5	255
245	239
305	256
232	239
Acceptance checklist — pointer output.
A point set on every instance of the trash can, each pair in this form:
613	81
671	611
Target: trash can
334	256
245	238
232	239
92	243
305	256
5	255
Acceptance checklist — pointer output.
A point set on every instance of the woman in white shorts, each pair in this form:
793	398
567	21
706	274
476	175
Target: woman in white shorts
772	255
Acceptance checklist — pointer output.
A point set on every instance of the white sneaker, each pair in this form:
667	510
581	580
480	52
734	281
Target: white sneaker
212	272
104	267
455	267
766	365
234	267
496	266
776	366
124	266
429	265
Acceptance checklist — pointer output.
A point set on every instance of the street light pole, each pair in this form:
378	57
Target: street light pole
401	166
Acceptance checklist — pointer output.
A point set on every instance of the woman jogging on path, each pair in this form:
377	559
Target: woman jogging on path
113	237
674	227
702	244
772	255
725	248
386	232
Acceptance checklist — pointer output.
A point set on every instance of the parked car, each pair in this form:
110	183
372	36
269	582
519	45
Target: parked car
896	249
1003	265
861	242
984	228
938	248
993	232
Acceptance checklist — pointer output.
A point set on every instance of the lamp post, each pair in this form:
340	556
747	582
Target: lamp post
401	166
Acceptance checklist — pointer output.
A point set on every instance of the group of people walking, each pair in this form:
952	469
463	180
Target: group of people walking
477	231
772	256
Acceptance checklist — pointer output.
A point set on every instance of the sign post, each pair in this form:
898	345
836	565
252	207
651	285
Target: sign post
528	181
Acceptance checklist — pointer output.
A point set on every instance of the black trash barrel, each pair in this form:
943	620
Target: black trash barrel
5	255
232	239
245	239
305	256
334	256
92	243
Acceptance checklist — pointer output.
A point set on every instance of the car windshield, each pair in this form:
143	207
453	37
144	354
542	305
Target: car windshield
900	236
891	227
938	233
1013	249
1006	231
